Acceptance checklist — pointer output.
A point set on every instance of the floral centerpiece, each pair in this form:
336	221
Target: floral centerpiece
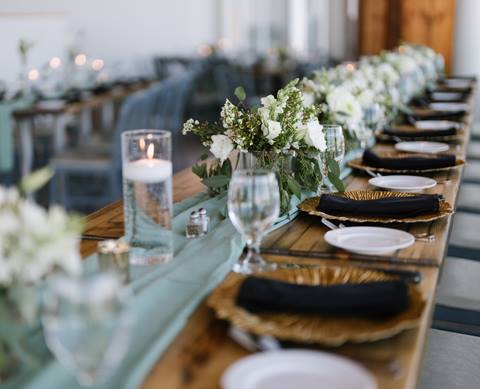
285	126
34	242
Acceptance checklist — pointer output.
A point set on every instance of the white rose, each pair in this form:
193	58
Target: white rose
221	147
268	101
366	98
314	135
308	99
271	129
387	73
343	102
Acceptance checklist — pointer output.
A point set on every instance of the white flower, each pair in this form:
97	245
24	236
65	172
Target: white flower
342	103
308	99
314	135
221	147
388	73
271	129
366	98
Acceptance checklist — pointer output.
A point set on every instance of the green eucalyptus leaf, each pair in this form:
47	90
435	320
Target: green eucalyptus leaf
294	187
336	182
333	167
200	170
240	93
216	181
204	156
36	180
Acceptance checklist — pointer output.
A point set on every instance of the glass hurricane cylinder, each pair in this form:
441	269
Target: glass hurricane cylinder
147	195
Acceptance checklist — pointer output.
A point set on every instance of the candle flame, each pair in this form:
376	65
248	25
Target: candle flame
141	143
150	151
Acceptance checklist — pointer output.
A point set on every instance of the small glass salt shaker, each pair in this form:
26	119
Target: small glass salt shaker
114	255
194	227
204	220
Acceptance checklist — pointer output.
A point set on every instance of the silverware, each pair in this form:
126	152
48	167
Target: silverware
99	238
372	173
352	256
254	343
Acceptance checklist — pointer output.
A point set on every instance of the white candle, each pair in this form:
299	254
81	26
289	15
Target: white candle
148	171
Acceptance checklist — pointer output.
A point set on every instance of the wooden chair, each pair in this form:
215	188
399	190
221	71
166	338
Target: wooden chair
97	172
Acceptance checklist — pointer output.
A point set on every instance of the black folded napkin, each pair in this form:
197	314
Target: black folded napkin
399	207
440	115
373	299
408	163
419	133
420	101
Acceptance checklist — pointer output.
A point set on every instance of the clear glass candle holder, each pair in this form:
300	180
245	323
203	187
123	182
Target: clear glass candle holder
147	195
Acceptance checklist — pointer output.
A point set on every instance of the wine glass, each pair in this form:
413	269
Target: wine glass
86	325
253	207
335	150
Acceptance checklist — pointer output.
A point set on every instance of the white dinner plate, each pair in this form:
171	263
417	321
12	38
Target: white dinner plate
51	104
448	107
422	147
369	240
436	124
460	83
403	183
302	369
446	96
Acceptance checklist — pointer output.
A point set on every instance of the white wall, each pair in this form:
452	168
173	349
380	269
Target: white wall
467	35
113	29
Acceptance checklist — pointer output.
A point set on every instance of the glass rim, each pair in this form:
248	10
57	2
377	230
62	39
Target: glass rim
147	131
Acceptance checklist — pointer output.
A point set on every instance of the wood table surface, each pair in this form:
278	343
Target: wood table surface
202	351
90	102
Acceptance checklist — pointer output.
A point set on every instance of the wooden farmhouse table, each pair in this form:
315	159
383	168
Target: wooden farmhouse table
202	350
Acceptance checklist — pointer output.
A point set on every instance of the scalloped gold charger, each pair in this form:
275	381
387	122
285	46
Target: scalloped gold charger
307	328
310	205
358	164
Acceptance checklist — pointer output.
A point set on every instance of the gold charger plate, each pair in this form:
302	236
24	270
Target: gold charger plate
358	164
310	205
326	330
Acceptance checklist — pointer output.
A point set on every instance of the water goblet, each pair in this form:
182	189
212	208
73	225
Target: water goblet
253	207
335	150
86	325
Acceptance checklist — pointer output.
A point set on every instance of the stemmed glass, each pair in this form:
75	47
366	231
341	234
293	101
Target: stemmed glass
253	207
335	150
86	325
372	119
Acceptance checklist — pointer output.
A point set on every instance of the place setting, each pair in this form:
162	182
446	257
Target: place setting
401	162
427	130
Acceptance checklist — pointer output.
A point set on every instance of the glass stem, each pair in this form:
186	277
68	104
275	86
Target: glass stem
253	254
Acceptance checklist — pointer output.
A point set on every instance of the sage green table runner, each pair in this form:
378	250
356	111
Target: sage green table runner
166	295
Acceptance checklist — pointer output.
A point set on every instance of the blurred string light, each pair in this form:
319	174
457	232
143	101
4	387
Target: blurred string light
350	66
55	62
205	50
80	59
33	75
97	64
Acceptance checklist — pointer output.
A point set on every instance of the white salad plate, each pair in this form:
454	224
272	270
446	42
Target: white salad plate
446	96
51	104
422	147
436	124
403	183
459	83
287	369
369	240
449	107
